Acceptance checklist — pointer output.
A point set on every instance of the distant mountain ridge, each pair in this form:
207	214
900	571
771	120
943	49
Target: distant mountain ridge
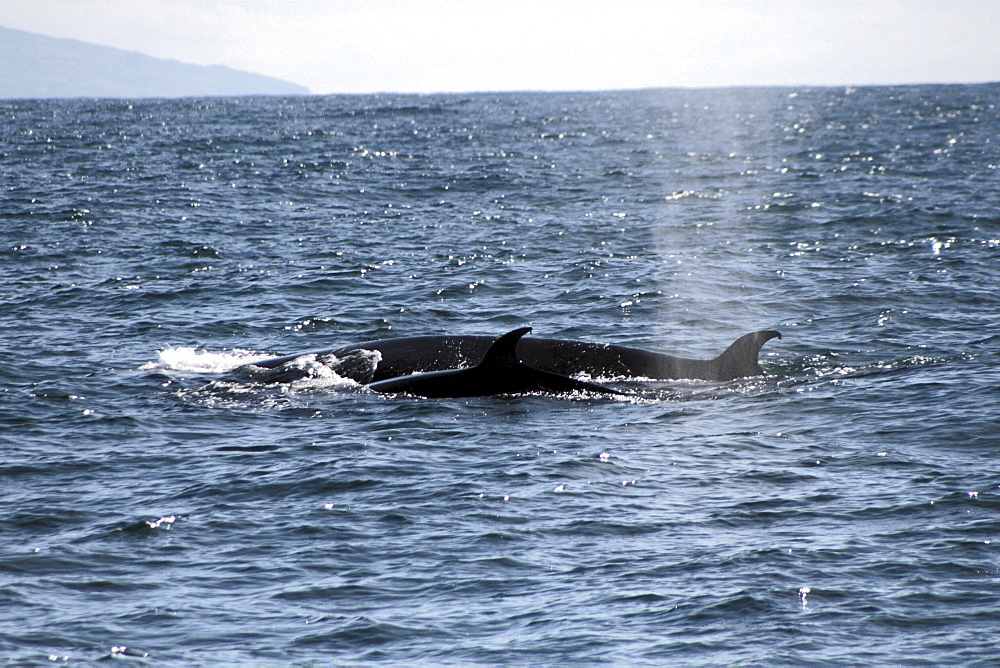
35	66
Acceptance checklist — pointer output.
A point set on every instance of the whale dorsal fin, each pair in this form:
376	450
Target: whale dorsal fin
740	358
502	353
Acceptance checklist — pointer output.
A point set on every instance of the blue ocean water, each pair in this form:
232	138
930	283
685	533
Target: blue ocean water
842	509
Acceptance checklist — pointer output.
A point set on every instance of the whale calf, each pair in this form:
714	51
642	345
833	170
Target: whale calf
499	372
417	354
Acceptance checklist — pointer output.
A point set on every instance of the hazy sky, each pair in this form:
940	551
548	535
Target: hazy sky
469	45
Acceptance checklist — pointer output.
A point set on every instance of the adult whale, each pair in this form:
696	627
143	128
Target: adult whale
416	354
499	372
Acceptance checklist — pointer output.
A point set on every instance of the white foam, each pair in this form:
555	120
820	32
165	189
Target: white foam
183	359
318	376
196	360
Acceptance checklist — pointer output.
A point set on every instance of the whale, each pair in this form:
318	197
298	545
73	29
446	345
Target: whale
375	361
499	372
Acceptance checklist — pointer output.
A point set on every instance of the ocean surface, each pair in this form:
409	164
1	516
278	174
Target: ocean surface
842	509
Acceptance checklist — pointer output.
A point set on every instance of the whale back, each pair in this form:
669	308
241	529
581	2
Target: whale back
499	372
408	355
